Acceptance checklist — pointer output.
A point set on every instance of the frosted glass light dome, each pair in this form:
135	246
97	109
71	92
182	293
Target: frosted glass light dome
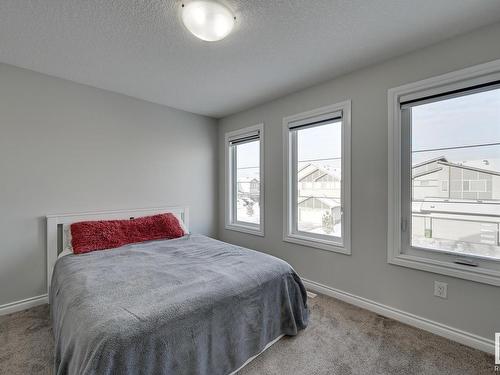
207	20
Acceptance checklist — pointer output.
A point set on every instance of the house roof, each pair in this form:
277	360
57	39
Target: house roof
439	158
462	166
247	179
423	173
443	161
312	167
330	202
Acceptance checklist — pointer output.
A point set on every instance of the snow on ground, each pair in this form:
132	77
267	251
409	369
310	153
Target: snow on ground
318	229
246	215
458	247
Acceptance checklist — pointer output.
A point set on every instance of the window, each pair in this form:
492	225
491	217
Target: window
447	130
317	178
244	180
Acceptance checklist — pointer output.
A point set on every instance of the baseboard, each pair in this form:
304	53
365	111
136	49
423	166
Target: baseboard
462	337
24	304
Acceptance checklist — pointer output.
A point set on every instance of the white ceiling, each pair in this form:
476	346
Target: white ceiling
140	48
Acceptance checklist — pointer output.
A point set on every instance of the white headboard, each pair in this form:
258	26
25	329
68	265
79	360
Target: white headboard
55	223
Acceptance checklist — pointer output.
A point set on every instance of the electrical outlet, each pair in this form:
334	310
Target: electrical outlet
440	289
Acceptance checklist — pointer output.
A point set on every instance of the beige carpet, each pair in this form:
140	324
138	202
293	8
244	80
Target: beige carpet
341	339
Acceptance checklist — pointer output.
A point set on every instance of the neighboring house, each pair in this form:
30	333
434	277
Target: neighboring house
312	209
456	204
319	181
249	187
439	178
319	195
248	198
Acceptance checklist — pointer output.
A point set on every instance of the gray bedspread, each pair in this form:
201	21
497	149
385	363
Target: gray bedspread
192	305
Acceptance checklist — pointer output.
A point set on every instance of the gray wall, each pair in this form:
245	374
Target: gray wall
66	147
470	306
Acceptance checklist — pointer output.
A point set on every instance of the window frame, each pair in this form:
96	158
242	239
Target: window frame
289	180
486	270
230	173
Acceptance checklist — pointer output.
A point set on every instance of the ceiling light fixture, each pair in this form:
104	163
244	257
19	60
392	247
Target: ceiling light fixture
207	20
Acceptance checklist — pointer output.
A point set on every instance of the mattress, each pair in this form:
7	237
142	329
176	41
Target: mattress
192	305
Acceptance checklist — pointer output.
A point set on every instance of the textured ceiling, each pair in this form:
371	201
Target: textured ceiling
140	48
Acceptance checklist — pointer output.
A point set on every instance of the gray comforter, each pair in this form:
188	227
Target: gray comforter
192	305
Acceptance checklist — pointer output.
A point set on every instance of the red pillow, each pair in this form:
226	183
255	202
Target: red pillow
87	236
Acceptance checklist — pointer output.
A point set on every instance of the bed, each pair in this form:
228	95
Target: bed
191	305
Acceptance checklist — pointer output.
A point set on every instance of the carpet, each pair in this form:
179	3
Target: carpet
341	339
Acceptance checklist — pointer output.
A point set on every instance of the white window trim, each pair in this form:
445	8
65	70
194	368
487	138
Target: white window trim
464	78
228	193
288	235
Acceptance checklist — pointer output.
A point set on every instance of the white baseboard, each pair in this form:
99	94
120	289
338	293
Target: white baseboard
24	304
465	338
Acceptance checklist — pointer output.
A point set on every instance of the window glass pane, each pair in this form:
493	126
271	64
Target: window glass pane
459	140
319	161
248	182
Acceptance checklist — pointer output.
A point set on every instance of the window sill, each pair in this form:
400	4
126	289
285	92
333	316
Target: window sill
245	229
317	243
477	274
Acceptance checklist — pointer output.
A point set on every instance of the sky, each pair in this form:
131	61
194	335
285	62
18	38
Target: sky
320	142
248	155
466	120
247	161
313	143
